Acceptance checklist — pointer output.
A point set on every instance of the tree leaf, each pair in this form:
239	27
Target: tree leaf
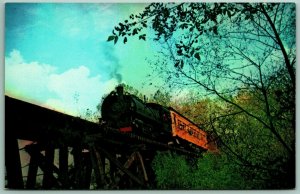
116	39
179	52
177	63
110	38
143	36
215	30
144	24
134	31
197	56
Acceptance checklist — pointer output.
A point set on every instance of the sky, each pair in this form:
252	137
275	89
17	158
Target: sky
57	55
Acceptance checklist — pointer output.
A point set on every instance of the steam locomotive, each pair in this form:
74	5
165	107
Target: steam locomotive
129	114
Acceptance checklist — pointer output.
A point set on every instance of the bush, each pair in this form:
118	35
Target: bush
171	171
210	172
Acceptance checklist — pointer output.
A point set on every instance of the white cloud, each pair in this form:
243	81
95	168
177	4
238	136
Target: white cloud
72	92
77	91
27	79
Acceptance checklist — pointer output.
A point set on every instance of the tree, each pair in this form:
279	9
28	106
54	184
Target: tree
261	157
241	53
162	98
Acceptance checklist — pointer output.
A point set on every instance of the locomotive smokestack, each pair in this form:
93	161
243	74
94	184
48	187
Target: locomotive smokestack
120	90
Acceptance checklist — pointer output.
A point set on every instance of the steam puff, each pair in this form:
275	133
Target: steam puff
113	64
117	76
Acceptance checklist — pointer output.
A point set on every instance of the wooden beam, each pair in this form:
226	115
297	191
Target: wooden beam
98	167
140	158
87	170
48	171
120	166
32	172
63	166
44	162
13	163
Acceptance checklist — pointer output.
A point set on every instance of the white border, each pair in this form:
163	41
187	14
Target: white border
2	30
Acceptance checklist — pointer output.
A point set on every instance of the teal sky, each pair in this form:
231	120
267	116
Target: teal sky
57	56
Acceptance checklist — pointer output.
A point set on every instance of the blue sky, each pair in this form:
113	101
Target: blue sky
57	56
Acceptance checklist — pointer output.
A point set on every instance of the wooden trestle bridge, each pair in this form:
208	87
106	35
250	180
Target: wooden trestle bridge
97	152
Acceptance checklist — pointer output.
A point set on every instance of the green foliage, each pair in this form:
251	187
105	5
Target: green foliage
115	39
194	20
162	98
264	158
218	172
172	171
219	34
244	55
211	172
131	90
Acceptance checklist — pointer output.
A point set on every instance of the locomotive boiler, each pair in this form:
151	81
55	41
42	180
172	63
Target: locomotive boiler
129	114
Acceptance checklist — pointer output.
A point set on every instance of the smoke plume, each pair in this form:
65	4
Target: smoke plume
113	65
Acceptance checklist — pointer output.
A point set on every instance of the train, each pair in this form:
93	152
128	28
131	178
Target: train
130	114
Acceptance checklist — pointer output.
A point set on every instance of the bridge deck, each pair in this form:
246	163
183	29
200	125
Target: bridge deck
27	121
